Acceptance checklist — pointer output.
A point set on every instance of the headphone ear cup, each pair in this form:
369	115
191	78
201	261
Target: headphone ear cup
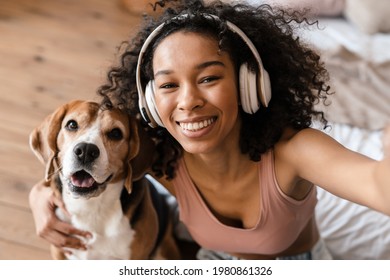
264	87
248	90
151	105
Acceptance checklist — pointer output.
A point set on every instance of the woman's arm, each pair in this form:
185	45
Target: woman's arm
61	234
318	158
382	172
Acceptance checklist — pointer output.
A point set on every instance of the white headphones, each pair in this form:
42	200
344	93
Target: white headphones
255	88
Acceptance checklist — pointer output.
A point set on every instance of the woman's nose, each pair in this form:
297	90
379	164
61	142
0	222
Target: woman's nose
190	98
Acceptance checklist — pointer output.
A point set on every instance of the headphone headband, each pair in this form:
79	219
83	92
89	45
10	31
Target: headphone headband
263	83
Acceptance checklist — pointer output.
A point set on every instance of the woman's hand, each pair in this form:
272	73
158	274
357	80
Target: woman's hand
61	234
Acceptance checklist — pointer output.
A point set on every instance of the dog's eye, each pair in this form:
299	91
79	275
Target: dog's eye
115	134
71	125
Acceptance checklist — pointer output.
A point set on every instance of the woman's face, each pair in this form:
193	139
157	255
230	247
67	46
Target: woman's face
196	92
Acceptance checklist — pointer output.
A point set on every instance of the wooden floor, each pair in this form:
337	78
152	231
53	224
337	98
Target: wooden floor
50	52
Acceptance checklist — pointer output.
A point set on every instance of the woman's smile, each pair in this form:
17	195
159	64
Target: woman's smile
197	129
197	125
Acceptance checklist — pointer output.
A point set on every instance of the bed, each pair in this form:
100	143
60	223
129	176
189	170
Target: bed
354	41
352	231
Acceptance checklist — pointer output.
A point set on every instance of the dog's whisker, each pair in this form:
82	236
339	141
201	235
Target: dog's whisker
55	172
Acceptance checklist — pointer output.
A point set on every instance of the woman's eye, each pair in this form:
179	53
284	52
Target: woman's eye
115	134
168	86
71	125
209	79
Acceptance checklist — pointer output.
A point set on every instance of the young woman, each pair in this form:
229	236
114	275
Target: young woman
229	92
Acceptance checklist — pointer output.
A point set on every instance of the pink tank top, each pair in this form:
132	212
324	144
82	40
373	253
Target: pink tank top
281	218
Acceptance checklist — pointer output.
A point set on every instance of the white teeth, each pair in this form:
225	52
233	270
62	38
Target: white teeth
194	126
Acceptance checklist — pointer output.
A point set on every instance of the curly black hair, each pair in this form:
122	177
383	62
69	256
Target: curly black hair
298	76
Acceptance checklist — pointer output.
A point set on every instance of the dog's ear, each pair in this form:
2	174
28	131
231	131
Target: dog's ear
43	139
141	153
133	151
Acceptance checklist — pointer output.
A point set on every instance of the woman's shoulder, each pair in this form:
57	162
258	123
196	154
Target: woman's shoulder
297	139
299	147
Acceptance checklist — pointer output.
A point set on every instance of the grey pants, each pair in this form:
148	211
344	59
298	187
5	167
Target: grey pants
318	252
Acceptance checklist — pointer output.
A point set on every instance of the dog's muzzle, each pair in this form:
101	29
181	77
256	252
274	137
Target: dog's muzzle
82	183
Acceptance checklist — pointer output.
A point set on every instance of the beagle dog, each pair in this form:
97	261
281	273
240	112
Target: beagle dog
96	159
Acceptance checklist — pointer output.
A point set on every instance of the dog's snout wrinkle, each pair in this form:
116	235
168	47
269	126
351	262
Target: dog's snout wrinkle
86	152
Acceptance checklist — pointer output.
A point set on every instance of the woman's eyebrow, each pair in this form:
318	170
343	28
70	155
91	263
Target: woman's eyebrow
199	67
210	63
163	72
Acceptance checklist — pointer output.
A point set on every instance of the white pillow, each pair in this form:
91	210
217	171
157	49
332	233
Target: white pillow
317	7
370	16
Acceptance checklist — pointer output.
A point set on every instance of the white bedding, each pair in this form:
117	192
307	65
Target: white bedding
359	67
352	231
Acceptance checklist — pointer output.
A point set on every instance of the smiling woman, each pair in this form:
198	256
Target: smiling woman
243	165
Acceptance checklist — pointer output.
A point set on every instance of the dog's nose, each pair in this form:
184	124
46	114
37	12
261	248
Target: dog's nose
86	153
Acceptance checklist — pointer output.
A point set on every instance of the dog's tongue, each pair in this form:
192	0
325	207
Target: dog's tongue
82	179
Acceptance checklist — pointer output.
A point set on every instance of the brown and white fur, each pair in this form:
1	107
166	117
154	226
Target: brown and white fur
95	160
